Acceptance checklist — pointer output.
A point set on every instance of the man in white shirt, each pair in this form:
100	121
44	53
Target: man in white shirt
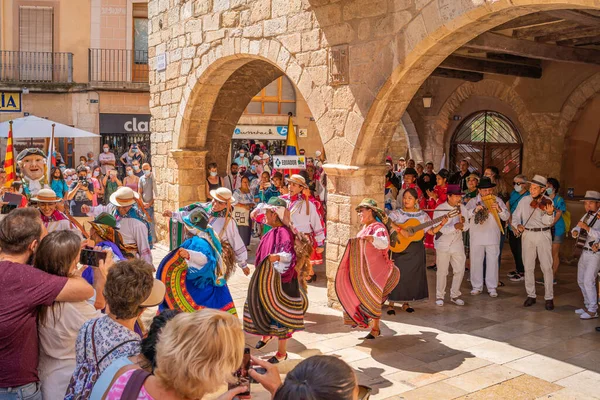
534	224
485	237
589	261
106	159
233	180
449	246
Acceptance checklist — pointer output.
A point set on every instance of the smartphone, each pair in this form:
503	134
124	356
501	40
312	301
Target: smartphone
91	257
242	377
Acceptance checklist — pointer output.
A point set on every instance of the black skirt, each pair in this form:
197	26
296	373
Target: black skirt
413	274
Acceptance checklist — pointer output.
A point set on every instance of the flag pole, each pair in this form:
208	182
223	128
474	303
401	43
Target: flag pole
50	153
9	158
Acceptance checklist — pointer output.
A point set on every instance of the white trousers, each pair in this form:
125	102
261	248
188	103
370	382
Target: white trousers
456	257
538	245
587	271
491	253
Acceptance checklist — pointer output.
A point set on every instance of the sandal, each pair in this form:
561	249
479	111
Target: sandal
373	334
262	343
391	311
276	360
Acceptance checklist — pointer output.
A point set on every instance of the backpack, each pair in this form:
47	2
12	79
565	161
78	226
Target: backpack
81	384
566	216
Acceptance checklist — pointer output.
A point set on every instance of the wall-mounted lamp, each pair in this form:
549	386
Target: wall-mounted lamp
427	99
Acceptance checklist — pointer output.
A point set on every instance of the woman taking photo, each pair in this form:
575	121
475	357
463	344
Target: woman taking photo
245	200
58	325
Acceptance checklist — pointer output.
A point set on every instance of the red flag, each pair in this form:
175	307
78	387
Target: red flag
9	159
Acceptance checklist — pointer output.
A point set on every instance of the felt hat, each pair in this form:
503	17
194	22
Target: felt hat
454	189
485	183
539	180
474	176
410	171
46	195
298	179
591	195
157	295
30	152
371	205
124	196
223	195
105	219
197	219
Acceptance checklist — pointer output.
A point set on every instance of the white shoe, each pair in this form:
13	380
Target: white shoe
579	311
493	293
439	302
475	292
458	302
585	315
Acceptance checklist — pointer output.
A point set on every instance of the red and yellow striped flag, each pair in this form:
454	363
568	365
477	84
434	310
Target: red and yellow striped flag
9	159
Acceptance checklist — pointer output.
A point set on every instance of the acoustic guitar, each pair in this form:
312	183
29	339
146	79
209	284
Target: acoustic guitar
416	229
582	239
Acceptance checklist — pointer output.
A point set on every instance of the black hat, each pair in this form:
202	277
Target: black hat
410	171
485	183
29	152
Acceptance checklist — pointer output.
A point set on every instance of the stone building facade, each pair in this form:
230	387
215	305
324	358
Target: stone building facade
358	64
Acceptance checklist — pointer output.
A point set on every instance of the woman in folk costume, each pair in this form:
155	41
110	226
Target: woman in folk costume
366	274
53	220
410	262
277	301
222	222
194	273
437	196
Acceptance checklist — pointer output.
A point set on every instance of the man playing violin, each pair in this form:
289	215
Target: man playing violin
533	219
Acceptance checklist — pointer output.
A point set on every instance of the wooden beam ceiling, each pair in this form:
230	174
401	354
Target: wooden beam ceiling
575	16
571	34
562	26
455	74
461	63
526	21
585	41
501	44
514	59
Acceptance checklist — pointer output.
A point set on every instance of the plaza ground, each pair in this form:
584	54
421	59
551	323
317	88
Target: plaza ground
488	349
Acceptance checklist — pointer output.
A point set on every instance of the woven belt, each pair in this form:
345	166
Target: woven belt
537	229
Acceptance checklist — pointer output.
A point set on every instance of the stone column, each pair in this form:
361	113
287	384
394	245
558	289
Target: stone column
180	181
346	187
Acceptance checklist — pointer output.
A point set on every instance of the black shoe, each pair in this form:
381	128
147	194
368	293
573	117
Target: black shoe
275	360
500	284
262	344
549	305
433	267
598	329
372	335
512	273
391	311
312	278
410	310
529	302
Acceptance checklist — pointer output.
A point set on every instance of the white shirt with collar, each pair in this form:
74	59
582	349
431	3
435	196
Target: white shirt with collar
488	233
450	236
529	217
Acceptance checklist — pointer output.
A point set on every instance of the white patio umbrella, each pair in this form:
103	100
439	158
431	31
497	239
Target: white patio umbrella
36	127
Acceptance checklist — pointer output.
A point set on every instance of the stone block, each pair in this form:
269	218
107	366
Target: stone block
273	53
173	70
220	5
392	23
187	10
284	7
300	22
343	97
253	31
318	57
339	34
214	35
330	14
211	22
174	55
292	42
261	10
293	72
318	75
186	66
189	52
311	40
202	7
359	9
273	27
283	58
230	19
303	58
254	47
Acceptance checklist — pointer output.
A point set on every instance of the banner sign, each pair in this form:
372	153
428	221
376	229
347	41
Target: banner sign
11	102
124	123
262	132
289	162
241	216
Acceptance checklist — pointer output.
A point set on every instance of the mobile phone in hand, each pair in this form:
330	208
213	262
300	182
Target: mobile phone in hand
91	257
241	376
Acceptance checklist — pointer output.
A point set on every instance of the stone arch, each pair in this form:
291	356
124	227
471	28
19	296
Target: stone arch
412	136
431	36
577	101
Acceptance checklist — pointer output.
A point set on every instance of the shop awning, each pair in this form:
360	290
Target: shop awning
36	127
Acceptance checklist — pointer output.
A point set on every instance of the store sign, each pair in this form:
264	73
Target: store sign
161	62
264	132
124	123
10	101
289	162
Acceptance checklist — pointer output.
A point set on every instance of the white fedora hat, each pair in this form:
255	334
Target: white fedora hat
46	195
591	195
298	180
223	195
124	196
539	180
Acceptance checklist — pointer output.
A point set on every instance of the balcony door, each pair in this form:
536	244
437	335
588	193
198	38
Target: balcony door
36	43
139	71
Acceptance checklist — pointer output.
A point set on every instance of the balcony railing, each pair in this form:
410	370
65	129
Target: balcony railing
35	67
116	67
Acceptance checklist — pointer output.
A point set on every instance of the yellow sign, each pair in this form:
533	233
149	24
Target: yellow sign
10	101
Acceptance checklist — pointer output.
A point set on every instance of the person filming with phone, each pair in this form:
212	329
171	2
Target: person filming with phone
81	192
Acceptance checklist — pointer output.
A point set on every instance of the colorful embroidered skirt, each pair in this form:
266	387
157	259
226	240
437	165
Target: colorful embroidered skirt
184	296
363	282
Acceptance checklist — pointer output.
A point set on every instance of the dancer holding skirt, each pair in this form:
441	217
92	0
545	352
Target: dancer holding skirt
366	275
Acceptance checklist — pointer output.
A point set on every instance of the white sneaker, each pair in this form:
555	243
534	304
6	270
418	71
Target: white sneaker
458	302
475	292
439	302
493	293
579	311
585	315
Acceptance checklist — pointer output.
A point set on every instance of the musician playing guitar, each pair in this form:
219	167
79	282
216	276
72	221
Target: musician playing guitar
587	232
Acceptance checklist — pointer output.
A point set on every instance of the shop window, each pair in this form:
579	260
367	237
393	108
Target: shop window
488	138
277	98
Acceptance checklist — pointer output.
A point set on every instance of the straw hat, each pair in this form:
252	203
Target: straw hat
124	196
371	205
223	195
539	180
298	180
157	295
591	195
46	195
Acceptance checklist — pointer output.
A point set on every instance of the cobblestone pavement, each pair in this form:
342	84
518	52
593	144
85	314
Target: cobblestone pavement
488	349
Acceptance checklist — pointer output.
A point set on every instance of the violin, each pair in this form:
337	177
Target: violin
541	202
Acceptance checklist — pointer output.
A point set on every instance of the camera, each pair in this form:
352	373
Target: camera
84	182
